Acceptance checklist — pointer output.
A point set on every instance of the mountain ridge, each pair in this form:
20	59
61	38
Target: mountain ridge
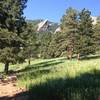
52	25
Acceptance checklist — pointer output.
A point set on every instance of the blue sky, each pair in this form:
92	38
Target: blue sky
54	9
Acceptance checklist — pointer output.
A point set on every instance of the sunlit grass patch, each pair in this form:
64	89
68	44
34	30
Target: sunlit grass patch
41	70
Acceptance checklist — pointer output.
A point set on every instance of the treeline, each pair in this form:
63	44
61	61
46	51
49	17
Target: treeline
78	36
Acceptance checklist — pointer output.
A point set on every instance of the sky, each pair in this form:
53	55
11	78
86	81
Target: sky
53	10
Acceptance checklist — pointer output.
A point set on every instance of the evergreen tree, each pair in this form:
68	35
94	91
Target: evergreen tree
97	34
44	40
85	39
30	50
12	24
69	25
57	45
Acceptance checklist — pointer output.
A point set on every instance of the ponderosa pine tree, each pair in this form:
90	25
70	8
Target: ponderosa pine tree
57	46
43	42
97	34
85	38
12	24
69	25
30	49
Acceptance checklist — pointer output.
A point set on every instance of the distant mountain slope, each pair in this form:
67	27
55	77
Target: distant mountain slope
52	25
34	22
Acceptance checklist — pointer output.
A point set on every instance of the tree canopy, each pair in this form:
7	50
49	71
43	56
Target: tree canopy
12	24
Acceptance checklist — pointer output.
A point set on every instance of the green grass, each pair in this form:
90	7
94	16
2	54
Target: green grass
41	70
61	79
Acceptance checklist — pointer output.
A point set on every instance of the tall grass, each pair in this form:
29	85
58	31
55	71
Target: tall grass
84	87
61	79
42	70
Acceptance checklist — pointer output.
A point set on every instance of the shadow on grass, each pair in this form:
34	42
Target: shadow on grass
83	87
91	57
39	68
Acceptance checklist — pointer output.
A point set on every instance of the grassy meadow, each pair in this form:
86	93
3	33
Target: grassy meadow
60	79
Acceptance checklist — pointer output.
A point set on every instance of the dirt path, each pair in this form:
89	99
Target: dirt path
9	91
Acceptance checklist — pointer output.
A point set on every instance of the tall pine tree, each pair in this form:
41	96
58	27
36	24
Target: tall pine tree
12	24
85	38
97	34
69	25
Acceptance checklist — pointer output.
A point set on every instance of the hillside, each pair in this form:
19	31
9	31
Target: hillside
52	25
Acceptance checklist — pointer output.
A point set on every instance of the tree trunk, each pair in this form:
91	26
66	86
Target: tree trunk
70	53
78	56
6	67
29	61
69	56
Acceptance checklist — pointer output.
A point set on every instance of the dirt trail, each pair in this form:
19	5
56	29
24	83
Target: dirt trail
9	91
